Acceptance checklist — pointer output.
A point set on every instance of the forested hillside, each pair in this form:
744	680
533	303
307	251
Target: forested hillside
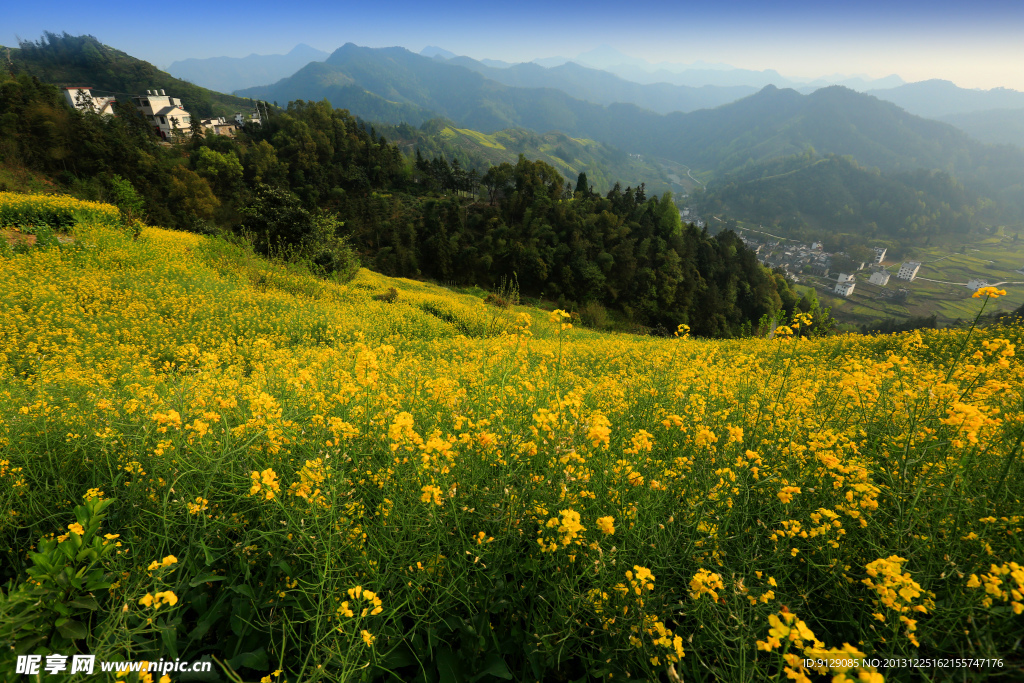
394	85
603	164
83	60
315	183
805	195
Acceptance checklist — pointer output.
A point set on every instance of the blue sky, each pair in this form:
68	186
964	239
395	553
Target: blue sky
979	44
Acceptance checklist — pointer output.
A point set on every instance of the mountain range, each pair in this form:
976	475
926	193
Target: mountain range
739	143
937	98
394	85
603	87
748	135
228	74
606	76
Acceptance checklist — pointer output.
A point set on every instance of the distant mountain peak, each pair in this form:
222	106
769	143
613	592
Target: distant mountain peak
434	51
605	55
227	74
302	48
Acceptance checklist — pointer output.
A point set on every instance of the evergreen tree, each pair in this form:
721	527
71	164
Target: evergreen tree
582	186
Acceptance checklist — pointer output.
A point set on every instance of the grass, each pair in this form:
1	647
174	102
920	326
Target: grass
341	487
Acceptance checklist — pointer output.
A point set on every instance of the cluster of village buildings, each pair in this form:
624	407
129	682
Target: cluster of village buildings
800	259
169	119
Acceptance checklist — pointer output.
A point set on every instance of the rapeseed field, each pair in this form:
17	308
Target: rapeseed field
204	455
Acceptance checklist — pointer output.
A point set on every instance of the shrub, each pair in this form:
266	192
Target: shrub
390	296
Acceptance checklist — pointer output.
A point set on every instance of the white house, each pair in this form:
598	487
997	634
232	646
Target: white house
81	98
976	284
880	278
253	119
908	271
879	254
220	126
845	288
843	277
164	113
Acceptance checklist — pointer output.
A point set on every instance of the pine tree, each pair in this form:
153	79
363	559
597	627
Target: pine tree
581	184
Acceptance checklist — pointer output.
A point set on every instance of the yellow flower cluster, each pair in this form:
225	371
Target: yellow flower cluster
896	591
705	583
312	476
166	562
1004	582
786	494
265	482
159	599
560	318
373	607
568	527
786	632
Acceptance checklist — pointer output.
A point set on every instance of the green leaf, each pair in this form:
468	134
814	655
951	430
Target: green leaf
26	644
448	667
206	578
253	660
86	553
399	657
72	630
495	666
243	589
85	602
209	617
207	555
170	637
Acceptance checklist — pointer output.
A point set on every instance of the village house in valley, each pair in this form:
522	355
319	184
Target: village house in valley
908	271
879	277
976	283
845	287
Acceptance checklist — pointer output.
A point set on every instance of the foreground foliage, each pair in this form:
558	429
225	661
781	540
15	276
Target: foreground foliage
389	481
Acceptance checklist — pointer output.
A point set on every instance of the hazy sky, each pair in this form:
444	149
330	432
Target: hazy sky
977	44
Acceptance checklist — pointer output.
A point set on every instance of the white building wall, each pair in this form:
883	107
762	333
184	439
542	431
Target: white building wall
83	100
879	278
908	271
163	112
845	288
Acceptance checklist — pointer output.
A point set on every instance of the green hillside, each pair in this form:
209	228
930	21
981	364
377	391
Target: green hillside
805	196
991	126
762	126
603	164
767	125
314	184
83	60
